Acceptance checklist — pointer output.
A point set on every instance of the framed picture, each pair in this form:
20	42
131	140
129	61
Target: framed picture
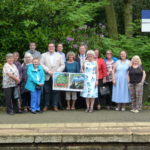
65	81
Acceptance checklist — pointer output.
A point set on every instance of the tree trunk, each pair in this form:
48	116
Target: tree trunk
111	20
128	8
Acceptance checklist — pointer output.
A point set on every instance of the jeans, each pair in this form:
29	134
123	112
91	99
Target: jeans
51	96
35	100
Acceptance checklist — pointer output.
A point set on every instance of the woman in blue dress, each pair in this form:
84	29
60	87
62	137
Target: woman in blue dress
120	93
90	91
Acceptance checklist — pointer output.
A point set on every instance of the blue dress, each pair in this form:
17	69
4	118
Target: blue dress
90	90
120	89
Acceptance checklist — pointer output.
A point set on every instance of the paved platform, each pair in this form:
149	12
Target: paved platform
78	116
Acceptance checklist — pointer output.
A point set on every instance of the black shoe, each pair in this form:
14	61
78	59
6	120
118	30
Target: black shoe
10	113
39	111
33	112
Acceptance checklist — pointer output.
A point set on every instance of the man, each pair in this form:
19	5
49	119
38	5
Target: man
60	51
82	55
32	50
80	59
51	62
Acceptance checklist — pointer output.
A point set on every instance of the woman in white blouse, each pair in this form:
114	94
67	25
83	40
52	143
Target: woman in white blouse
10	80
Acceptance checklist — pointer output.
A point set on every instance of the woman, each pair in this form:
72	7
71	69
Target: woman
25	94
137	77
120	94
90	91
10	81
35	81
110	61
18	65
72	67
102	73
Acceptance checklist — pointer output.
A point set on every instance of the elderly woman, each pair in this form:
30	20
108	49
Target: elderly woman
137	76
25	94
90	91
10	81
72	67
110	61
120	94
35	81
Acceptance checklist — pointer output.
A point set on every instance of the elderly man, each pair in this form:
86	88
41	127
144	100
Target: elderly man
51	62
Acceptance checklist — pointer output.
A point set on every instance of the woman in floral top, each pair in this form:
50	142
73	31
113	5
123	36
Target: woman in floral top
10	80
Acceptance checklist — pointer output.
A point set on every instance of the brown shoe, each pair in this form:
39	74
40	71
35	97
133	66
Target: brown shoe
55	109
45	109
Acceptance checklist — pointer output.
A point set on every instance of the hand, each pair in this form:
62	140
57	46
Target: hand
104	80
114	82
50	72
41	84
96	83
18	81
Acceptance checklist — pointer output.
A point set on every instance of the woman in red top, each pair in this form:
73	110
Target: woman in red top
102	71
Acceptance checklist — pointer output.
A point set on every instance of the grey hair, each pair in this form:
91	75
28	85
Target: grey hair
9	55
27	55
70	54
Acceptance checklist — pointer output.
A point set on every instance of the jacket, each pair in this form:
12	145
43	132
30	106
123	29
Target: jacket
58	64
32	77
102	70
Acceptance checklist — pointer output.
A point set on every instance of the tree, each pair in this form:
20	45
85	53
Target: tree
128	17
111	20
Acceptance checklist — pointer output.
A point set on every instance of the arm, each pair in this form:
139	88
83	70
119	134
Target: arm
33	79
97	74
104	71
113	74
62	65
77	67
43	76
42	62
144	76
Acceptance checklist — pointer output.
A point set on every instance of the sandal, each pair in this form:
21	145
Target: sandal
68	108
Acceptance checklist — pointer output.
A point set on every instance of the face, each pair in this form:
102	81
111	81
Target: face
136	61
108	55
51	48
123	55
96	53
16	56
10	60
28	59
90	57
82	50
32	46
35	63
60	47
71	57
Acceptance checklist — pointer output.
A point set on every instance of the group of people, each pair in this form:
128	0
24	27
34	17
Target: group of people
27	85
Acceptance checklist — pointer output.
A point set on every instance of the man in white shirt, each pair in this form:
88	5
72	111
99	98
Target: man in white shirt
51	62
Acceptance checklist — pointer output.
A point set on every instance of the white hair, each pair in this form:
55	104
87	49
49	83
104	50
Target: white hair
91	52
27	55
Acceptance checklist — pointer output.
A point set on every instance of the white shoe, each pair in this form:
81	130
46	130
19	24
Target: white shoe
136	111
117	109
123	109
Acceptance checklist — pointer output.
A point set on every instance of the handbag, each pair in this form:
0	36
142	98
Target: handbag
16	92
104	90
38	87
